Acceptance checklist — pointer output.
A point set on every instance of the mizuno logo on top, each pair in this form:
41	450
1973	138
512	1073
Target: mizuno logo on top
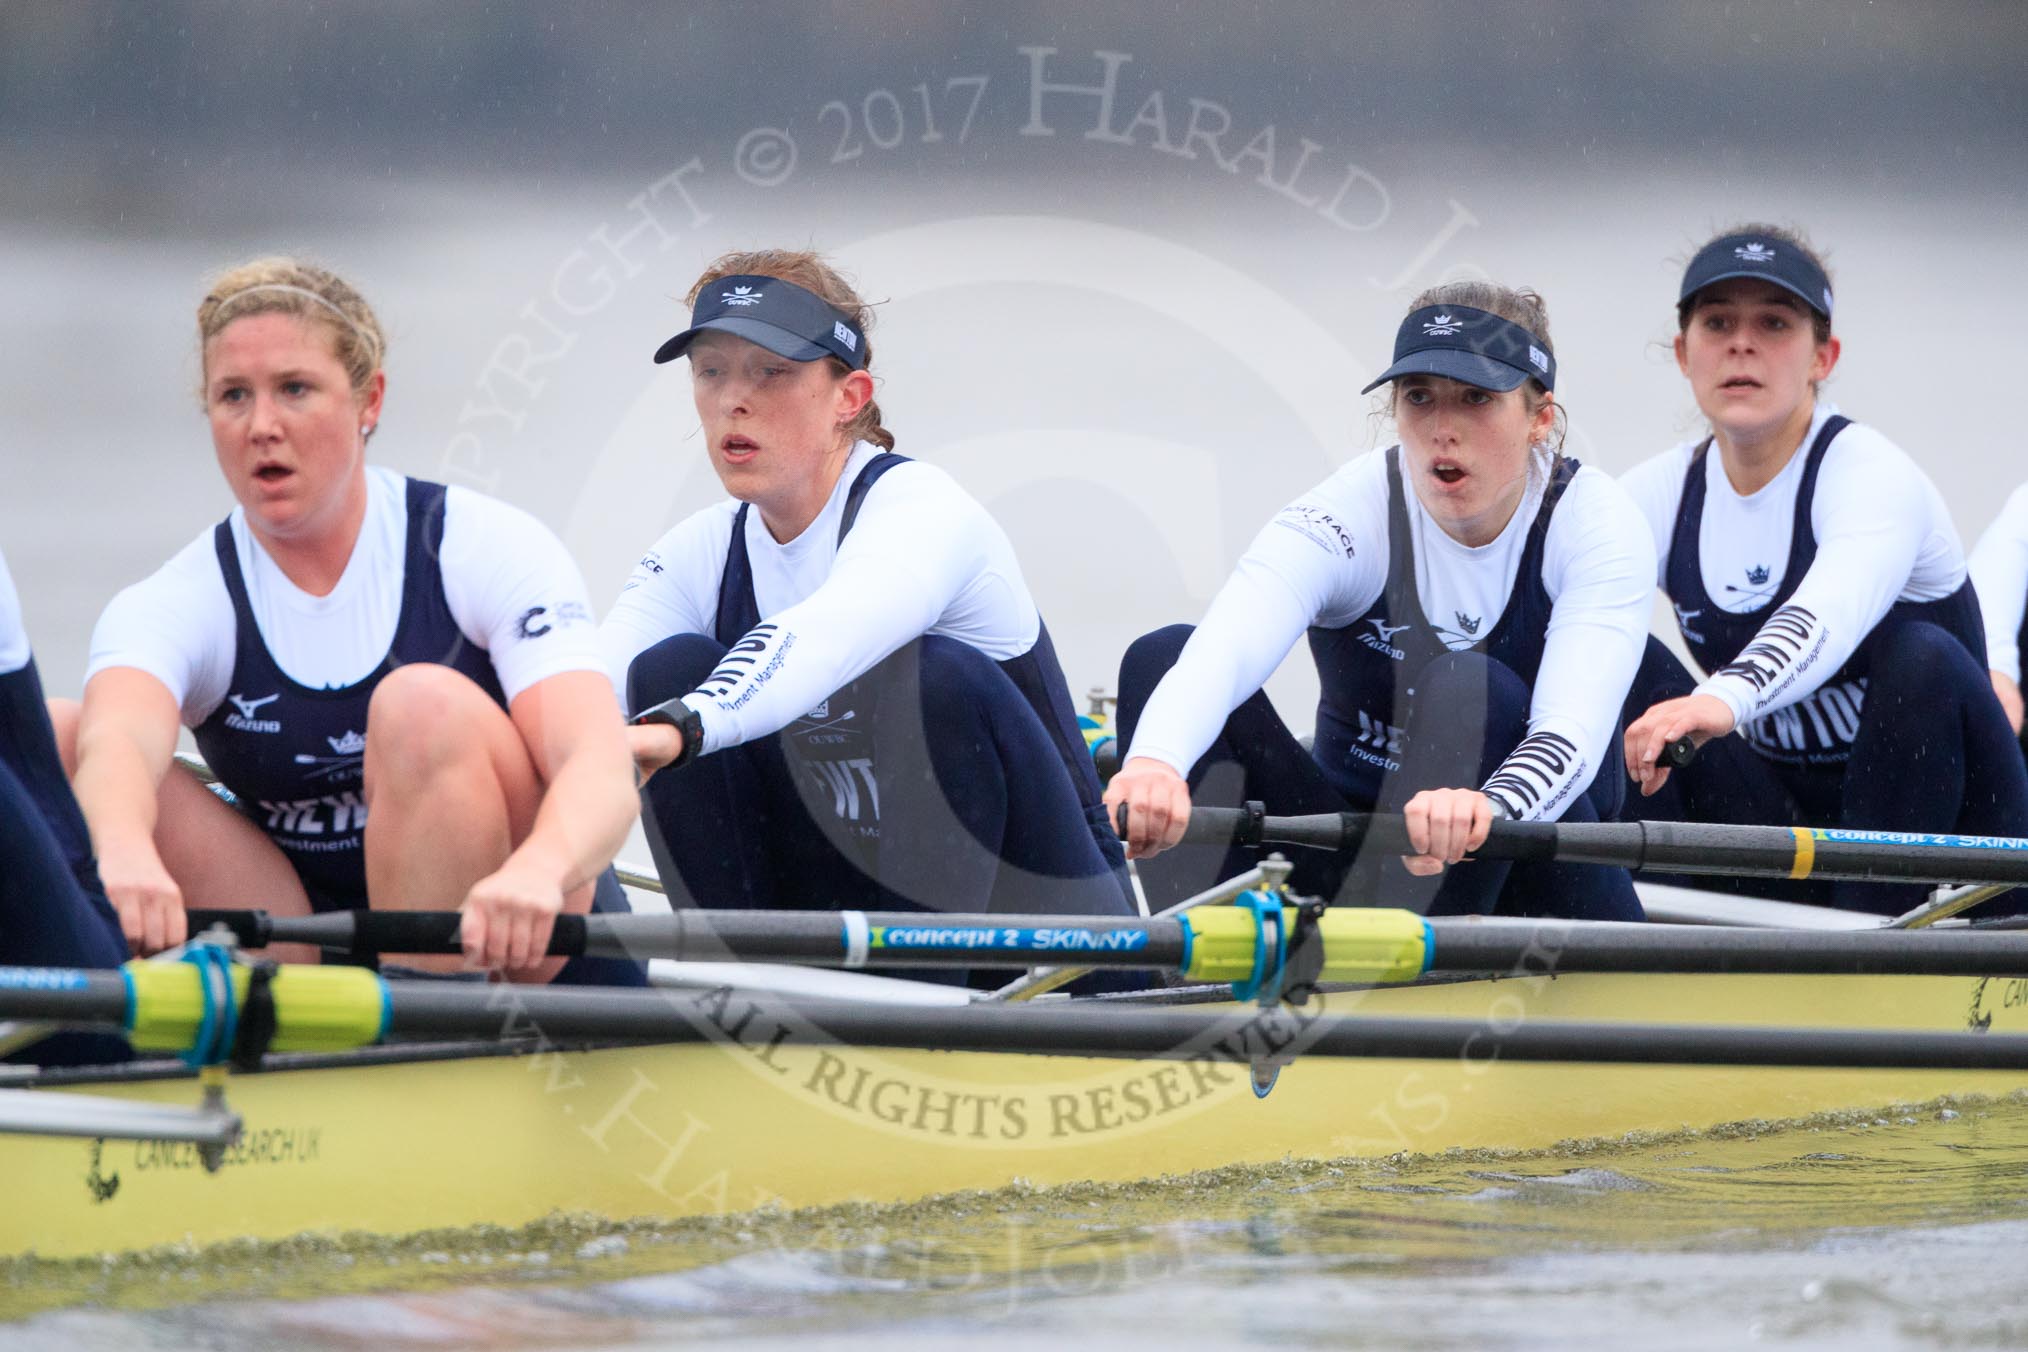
245	721
1382	639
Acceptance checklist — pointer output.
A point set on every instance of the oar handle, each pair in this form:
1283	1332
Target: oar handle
1250	826
369	931
1679	753
249	929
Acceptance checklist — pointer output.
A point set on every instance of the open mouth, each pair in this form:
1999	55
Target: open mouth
1447	473
272	474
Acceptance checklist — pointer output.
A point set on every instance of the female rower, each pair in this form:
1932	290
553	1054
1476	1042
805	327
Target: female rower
1819	581
53	912
1476	604
1999	569
841	666
396	681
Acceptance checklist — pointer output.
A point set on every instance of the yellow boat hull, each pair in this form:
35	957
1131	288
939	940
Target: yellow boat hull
726	1127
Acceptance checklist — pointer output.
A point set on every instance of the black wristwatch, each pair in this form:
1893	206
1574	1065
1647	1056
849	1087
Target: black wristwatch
684	719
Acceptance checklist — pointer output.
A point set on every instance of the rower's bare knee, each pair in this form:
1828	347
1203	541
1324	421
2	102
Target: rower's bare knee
424	719
63	717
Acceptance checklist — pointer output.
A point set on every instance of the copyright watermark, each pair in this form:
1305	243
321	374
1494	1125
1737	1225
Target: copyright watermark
979	284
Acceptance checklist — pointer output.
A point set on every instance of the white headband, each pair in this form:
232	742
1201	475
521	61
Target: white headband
348	320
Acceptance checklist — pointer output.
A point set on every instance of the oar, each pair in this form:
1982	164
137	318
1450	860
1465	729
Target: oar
330	1007
1676	847
1208	943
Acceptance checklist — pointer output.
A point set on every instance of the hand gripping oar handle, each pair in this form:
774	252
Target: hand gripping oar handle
1250	826
369	931
1679	753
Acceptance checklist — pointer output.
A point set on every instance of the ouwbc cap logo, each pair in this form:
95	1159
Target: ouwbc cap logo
1476	347
786	319
1763	256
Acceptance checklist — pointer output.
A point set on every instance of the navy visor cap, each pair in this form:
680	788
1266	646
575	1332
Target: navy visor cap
782	317
1473	346
1763	256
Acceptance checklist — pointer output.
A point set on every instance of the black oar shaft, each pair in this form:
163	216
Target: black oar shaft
1548	946
1674	847
1115	1031
1459	945
756	1023
1379	831
894	938
886	939
64	995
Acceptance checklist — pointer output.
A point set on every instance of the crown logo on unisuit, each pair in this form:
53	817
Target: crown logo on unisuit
351	744
1757	574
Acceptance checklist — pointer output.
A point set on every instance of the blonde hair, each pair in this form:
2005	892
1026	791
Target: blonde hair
809	270
290	286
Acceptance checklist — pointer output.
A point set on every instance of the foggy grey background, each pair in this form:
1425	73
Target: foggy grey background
1131	354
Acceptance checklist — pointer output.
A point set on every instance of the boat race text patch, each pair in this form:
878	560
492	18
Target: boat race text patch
1008	939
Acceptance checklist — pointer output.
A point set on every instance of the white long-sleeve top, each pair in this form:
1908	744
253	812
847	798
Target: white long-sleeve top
1883	535
1999	568
499	565
923	557
1323	560
14	649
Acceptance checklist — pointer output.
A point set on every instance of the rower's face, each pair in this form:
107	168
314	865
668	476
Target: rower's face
285	421
1467	449
771	423
1752	356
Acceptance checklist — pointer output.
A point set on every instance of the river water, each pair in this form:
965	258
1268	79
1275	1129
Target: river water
1860	1231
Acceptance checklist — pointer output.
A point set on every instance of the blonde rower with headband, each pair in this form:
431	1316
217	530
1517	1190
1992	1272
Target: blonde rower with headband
396	680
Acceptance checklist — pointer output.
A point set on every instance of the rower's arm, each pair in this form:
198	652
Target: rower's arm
1320	560
514	589
125	741
1598	567
1656	488
1871	515
1999	567
1252	624
920	558
672	589
572	726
